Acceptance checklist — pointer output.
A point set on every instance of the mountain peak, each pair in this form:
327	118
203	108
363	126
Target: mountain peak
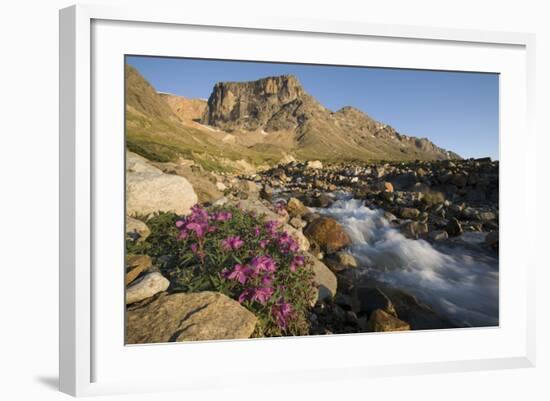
295	122
250	105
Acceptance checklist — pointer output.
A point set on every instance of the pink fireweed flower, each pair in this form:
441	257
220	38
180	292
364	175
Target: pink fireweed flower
263	264
287	243
267	281
271	227
193	248
199	229
234	243
198	213
257	231
297	261
223	216
245	295
282	312
239	273
264	243
197	222
262	294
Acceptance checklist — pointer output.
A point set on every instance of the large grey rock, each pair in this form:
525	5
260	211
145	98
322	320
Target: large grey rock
149	190
324	279
146	287
189	317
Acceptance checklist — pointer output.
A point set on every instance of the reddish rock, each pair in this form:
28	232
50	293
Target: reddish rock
328	233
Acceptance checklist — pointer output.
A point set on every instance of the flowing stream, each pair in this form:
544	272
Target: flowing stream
458	279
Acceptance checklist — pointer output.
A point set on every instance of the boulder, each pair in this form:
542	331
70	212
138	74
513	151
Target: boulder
286	159
414	229
249	187
149	190
136	230
297	222
204	183
323	201
257	207
418	315
440	235
487	216
146	287
454	228
316	164
387	186
409	213
324	279
189	317
368	299
341	261
205	188
135	265
404	182
383	321
296	208
266	193
460	180
328	233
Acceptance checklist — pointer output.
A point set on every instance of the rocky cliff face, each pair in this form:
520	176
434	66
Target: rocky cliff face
252	105
280	104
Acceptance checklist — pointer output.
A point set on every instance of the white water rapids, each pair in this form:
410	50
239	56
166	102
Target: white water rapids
458	281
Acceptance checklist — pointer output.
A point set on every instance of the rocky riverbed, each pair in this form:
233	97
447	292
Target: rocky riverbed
394	246
423	238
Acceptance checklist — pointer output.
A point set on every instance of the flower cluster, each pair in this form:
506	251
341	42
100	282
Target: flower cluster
257	278
259	273
282	311
198	225
240	254
232	243
282	239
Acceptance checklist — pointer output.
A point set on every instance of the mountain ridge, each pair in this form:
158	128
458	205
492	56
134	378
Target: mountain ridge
279	103
260	122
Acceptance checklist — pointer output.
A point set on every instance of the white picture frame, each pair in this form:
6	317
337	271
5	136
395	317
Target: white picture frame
91	362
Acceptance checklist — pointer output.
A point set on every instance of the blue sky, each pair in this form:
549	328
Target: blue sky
457	111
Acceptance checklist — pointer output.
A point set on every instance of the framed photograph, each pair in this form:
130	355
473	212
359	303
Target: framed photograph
290	199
